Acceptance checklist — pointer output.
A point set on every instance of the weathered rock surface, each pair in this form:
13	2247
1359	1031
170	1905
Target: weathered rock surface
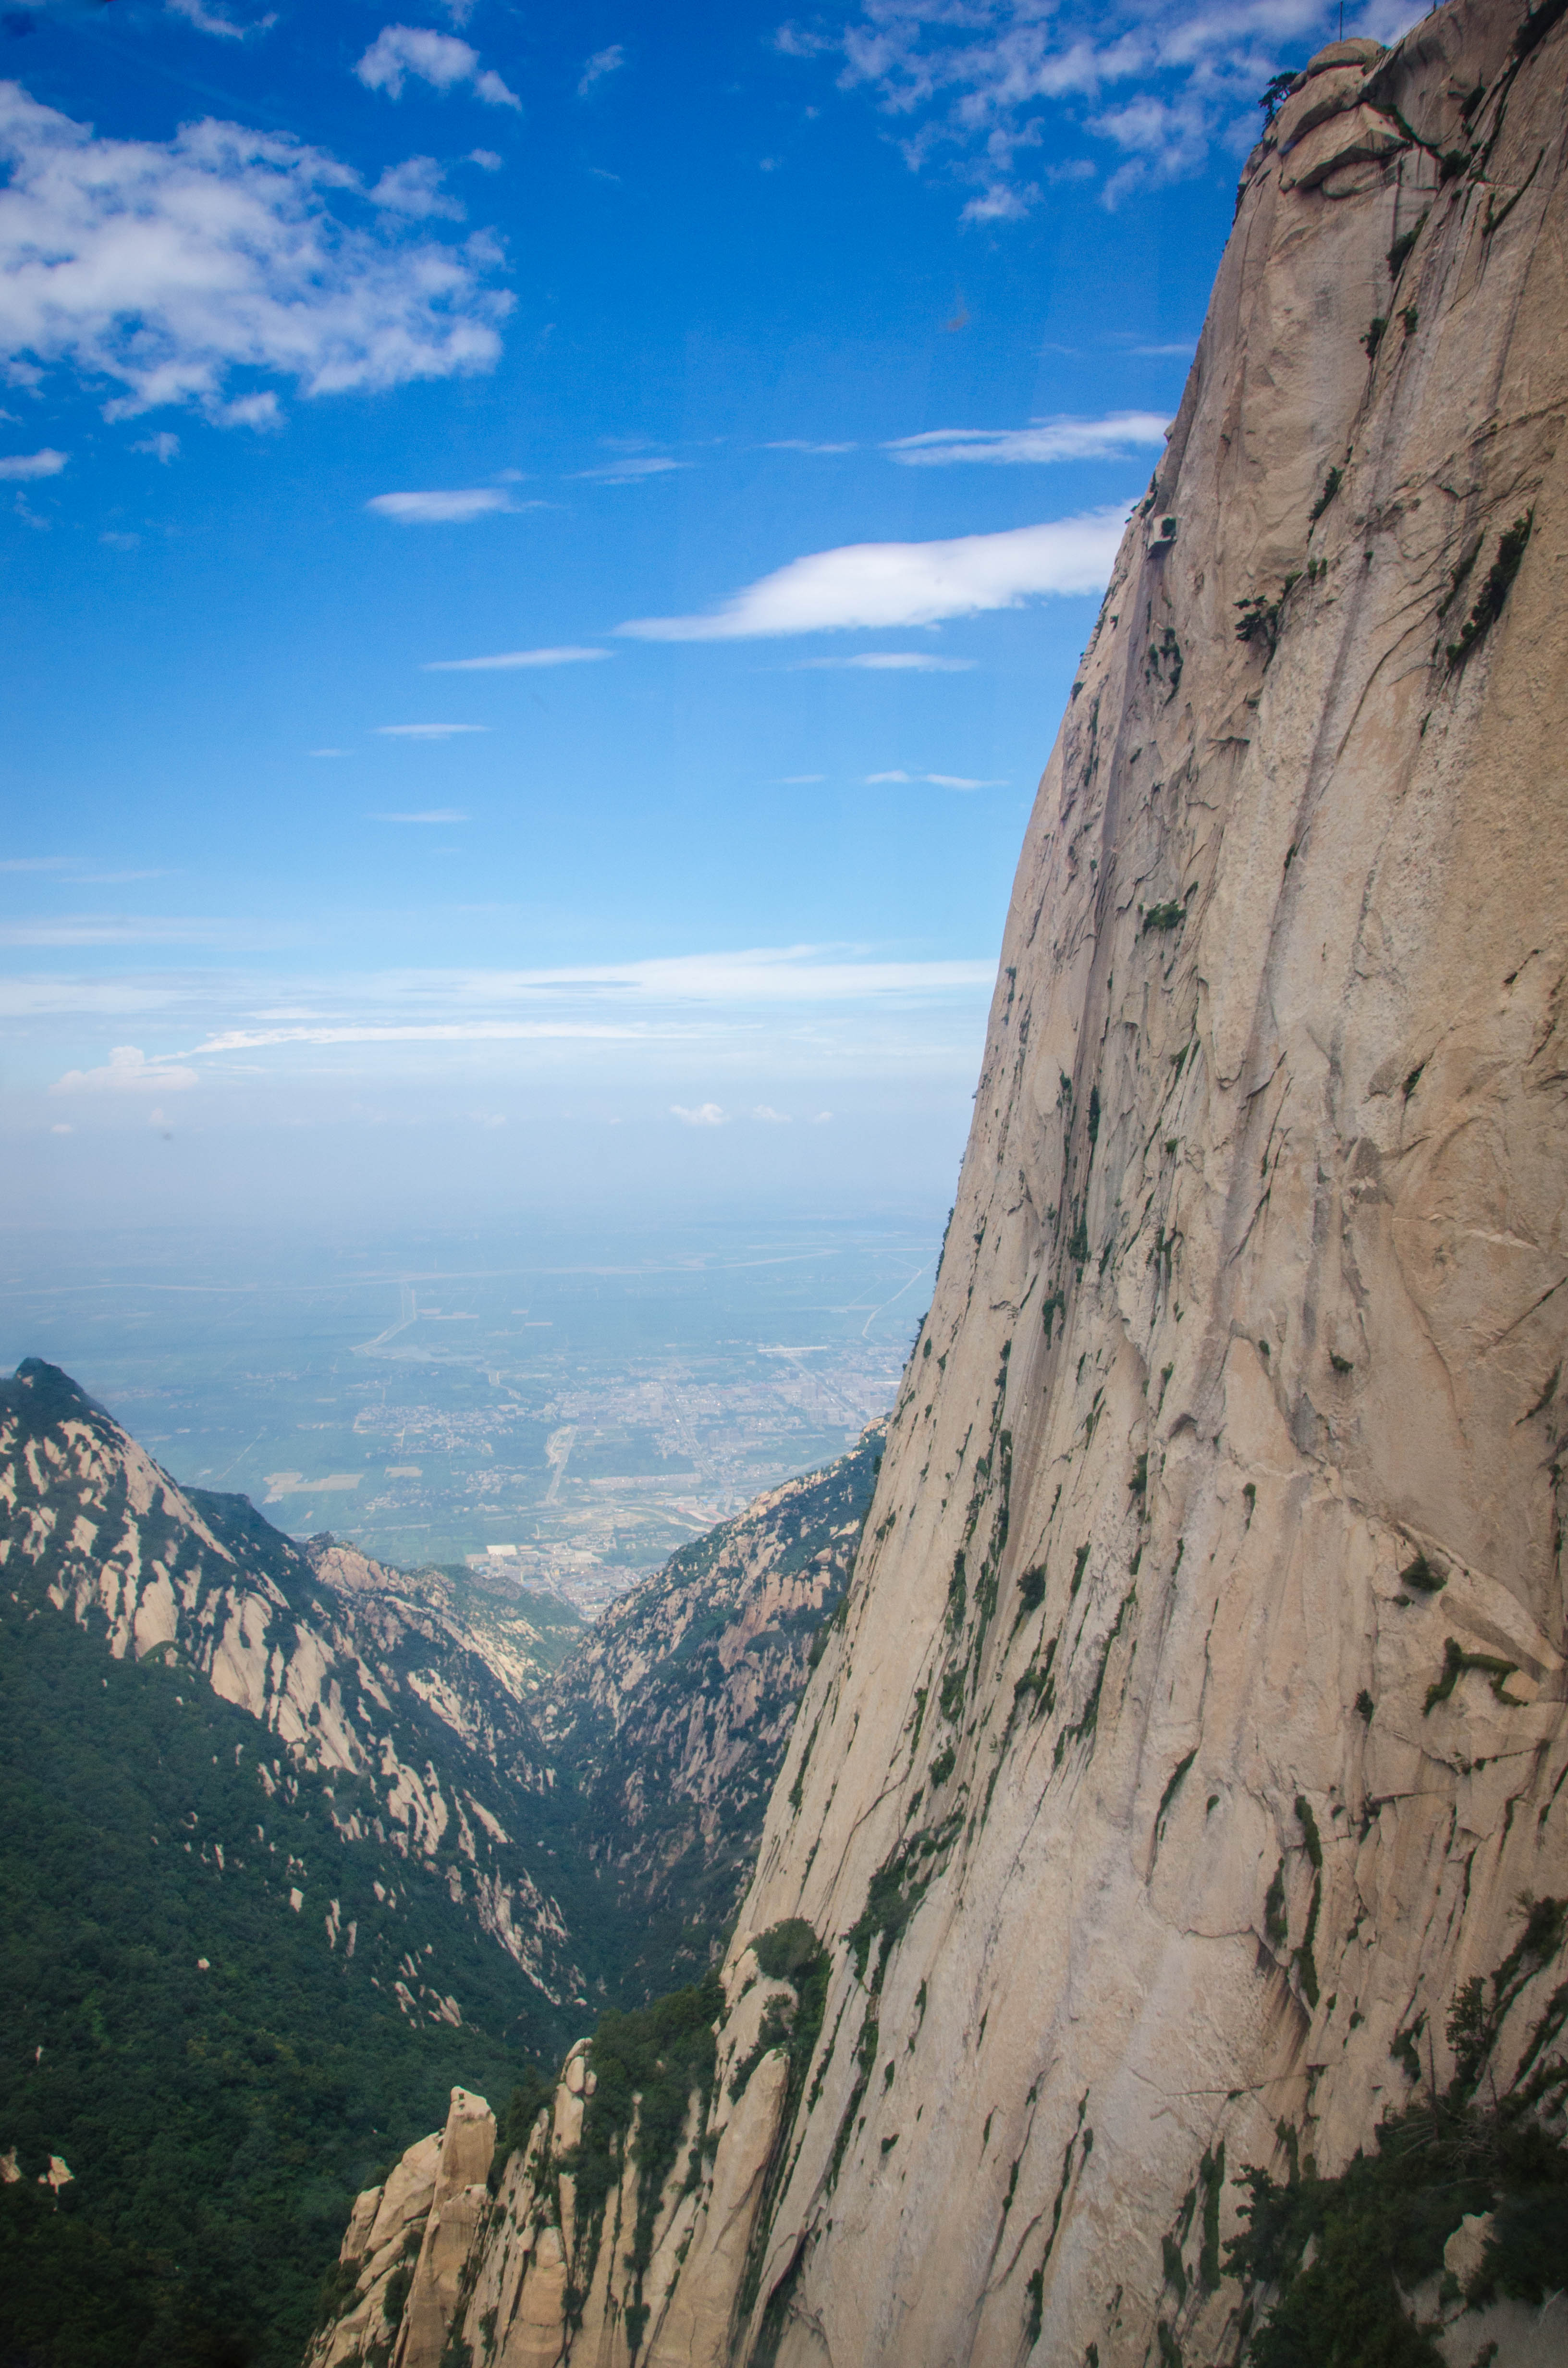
511	2269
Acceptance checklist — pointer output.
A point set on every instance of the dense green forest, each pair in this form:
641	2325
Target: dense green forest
180	2036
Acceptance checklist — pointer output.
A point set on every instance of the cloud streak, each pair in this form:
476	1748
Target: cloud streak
872	585
891	662
453	507
505	660
1111	439
426	731
128	1071
164	267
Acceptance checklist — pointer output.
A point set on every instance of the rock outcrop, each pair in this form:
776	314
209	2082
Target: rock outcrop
1186	1788
613	2231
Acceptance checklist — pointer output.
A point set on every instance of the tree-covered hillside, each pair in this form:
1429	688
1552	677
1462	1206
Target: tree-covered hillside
182	2022
292	1844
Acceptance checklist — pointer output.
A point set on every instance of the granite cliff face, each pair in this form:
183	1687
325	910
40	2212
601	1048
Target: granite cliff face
1186	1788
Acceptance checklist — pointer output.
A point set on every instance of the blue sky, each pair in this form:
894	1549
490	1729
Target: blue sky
544	552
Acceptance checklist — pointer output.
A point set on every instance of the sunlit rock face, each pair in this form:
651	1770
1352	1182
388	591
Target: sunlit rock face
1198	1725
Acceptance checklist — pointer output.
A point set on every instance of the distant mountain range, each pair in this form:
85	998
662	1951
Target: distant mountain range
294	1840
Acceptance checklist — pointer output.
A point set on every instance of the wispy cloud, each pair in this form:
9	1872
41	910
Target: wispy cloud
800	781
798	444
770	1116
1112	438
937	780
568	655
413	188
426	731
217	21
454	507
430	815
893	584
891	662
128	1071
163	266
705	1114
162	448
25	466
132	929
602	63
439	59
631	468
984	88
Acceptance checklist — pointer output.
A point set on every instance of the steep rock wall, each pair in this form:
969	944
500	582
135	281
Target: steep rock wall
1198	1726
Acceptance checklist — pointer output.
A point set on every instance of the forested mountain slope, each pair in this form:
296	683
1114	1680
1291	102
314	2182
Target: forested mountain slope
287	1852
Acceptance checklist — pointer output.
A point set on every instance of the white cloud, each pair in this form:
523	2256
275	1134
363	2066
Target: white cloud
257	411
217	20
891	662
329	752
570	655
892	584
973	82
413	188
1043	440
800	781
798	444
164	266
430	815
131	929
128	1071
62	1127
705	1114
441	508
631	468
937	781
439	59
426	731
771	1117
162	446
25	466
602	63
485	158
